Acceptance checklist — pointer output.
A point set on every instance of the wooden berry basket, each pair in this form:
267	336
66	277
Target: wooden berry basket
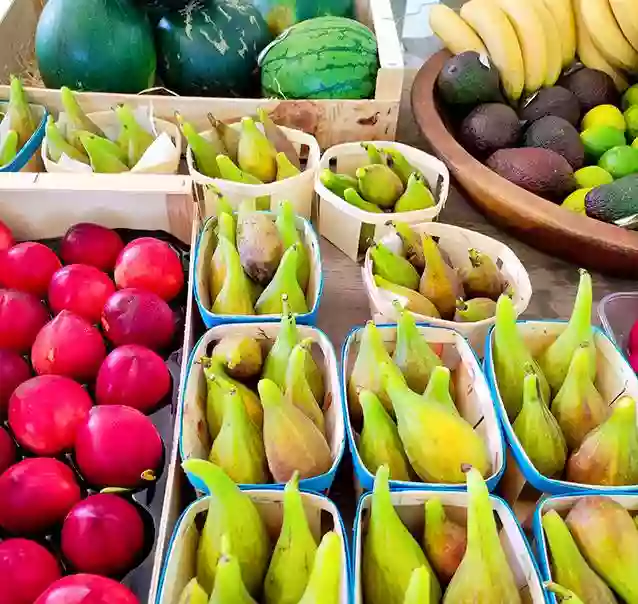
45	206
540	223
409	506
179	567
330	121
473	400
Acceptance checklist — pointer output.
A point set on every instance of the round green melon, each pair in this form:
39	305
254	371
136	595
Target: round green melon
95	45
322	58
210	48
281	14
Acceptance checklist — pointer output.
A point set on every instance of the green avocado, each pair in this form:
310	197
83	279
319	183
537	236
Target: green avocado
469	79
613	201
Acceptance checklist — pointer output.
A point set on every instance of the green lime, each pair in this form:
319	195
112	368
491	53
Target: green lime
631	119
599	139
592	176
620	161
630	97
635	143
604	115
575	202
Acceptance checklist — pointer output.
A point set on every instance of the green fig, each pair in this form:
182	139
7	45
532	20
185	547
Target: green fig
412	248
418	591
482	279
444	541
255	153
379	185
294	553
205	149
417	196
276	362
392	267
228	135
228	170
278	138
9	148
324	585
241	356
286	224
412	354
556	359
234	297
217	267
565	595
352	196
259	245
609	454
538	431
297	389
569	567
407	298
424	425
284	168
284	282
338	183
76	120
229	585
484	575
608	539
578	406
390	552
510	358
238	448
19	113
478	309
231	513
291	439
379	443
438	389
104	155
374	155
400	165
138	140
193	593
57	145
365	372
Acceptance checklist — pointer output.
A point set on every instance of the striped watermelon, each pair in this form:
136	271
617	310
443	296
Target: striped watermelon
322	58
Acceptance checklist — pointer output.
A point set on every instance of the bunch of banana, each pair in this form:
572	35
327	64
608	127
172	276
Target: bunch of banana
22	124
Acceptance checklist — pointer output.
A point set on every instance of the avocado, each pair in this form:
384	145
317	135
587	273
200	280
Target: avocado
591	87
488	128
556	101
540	171
557	134
620	161
469	79
613	201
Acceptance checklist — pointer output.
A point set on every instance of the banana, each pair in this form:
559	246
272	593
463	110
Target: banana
532	40
457	36
553	44
626	14
564	17
607	35
490	23
590	56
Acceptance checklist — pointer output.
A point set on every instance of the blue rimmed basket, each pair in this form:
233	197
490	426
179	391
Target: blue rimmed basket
194	441
29	150
179	564
614	377
204	251
472	393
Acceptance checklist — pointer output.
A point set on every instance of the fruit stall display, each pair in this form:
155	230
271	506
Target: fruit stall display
220	49
553	114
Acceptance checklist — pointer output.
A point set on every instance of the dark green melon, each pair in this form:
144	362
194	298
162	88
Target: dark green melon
323	58
281	14
210	48
95	45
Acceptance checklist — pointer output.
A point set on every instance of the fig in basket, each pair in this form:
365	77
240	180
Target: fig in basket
57	145
418	591
205	148
338	183
417	196
228	135
241	356
482	279
324	584
22	123
229	585
478	309
565	595
78	121
193	593
9	148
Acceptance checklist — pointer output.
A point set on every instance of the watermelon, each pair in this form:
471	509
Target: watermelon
210	48
322	58
281	14
95	45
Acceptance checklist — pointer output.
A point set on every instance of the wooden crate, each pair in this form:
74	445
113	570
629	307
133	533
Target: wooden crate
330	121
44	205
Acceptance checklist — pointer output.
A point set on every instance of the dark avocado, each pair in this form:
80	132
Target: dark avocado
591	87
614	201
556	101
557	134
488	128
469	79
540	171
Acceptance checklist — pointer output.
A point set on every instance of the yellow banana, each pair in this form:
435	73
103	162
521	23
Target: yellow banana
563	14
532	40
553	44
457	36
590	56
607	35
626	13
499	37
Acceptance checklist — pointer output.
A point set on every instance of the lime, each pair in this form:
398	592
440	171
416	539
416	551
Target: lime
599	139
631	119
575	202
593	176
630	97
635	144
620	161
604	115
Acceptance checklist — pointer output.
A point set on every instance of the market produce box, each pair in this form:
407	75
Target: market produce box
41	208
368	116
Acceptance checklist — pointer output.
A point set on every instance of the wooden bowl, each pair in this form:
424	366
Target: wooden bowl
540	223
